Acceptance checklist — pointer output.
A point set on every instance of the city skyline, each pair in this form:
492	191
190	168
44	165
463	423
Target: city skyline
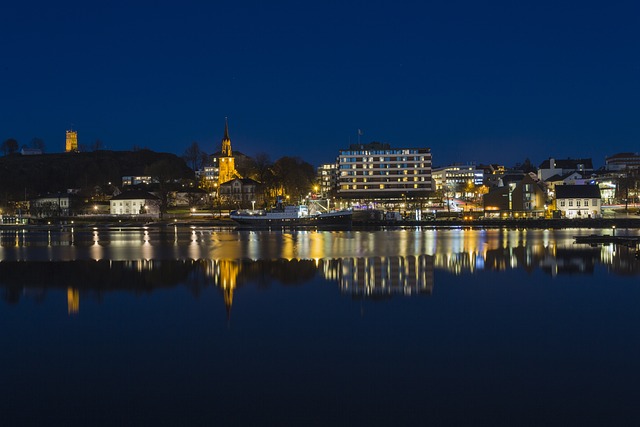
473	83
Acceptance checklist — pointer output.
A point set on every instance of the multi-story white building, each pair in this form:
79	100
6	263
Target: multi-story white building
377	171
456	177
327	176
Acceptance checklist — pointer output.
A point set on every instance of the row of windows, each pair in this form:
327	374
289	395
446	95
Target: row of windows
404	179
382	160
578	203
384	167
346	187
385	173
384	152
127	203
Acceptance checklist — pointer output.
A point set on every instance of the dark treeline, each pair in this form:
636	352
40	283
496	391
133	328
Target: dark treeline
24	177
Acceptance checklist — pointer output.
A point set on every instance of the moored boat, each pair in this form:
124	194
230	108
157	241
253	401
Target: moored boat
291	217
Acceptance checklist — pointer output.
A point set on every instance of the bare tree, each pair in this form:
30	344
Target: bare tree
38	143
97	145
193	156
9	146
165	173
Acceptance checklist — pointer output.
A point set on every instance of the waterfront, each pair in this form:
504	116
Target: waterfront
202	326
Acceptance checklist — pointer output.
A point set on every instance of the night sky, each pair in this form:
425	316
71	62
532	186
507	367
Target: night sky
476	81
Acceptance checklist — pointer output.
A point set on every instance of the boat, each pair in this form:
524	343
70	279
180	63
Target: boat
291	217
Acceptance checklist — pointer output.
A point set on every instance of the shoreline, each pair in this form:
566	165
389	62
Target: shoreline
599	223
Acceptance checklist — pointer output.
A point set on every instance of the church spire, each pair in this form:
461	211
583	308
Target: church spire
226	141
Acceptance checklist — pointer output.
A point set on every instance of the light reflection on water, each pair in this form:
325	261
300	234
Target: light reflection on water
362	263
456	250
476	327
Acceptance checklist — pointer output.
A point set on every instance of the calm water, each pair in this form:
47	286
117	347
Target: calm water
398	327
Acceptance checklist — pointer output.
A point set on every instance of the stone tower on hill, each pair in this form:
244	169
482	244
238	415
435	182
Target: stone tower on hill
72	141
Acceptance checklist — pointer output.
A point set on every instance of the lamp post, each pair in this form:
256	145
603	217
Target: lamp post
253	205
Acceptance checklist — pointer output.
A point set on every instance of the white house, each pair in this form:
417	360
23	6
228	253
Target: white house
52	205
136	202
551	167
579	201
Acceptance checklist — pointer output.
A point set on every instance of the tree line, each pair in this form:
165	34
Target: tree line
11	145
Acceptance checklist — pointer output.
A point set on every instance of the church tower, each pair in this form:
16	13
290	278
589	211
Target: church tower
226	162
72	141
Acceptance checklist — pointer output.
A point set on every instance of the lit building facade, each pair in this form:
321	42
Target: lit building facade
327	176
72	141
524	199
226	162
457	177
137	180
579	201
376	171
134	203
623	161
241	191
551	167
52	206
222	167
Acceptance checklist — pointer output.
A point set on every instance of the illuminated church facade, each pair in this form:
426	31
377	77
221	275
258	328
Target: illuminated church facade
223	166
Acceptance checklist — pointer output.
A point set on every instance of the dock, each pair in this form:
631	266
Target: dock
605	239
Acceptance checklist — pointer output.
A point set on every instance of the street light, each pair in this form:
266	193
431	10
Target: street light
253	205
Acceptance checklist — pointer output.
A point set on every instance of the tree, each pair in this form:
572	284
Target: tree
9	146
193	156
38	144
262	167
526	166
97	145
294	177
627	181
165	173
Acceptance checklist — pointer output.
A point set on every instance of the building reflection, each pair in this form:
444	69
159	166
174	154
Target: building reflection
403	265
73	301
375	276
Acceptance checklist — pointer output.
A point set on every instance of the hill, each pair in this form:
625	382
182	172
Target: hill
50	173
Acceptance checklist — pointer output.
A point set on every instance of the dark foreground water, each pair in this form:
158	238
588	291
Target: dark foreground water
400	327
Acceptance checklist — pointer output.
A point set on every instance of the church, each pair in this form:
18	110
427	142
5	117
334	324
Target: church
222	177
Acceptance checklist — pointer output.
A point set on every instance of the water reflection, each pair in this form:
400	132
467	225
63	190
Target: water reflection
365	264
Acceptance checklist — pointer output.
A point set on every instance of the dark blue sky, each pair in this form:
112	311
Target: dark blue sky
475	81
